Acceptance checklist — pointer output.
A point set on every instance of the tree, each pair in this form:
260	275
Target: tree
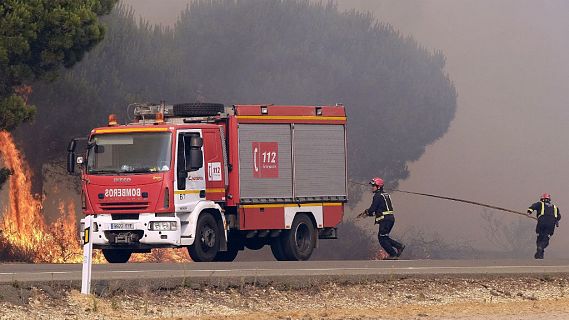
37	39
397	95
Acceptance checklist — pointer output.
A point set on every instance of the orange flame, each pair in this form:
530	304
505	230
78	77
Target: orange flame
25	230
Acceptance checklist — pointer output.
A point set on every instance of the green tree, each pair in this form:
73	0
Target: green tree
37	39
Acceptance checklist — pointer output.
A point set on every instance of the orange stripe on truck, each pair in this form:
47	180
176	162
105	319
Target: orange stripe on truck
128	130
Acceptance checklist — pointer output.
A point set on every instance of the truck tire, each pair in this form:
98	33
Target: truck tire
226	256
198	109
298	243
117	255
234	244
277	250
206	244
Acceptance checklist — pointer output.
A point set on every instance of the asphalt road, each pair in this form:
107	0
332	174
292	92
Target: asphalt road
10	273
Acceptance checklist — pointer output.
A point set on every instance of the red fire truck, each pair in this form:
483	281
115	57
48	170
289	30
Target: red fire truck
215	179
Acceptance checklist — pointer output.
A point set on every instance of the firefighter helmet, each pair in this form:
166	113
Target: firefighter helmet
546	196
376	182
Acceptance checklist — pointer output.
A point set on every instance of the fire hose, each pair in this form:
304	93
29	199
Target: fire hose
453	199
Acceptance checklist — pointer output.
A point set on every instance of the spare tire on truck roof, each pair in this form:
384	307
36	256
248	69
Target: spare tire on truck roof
198	109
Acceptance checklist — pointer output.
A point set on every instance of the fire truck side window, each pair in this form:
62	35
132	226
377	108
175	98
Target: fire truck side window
186	152
181	169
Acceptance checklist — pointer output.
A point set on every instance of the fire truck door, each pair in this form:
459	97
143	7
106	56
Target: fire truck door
189	184
214	165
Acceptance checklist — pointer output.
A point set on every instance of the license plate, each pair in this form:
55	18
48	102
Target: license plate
122	226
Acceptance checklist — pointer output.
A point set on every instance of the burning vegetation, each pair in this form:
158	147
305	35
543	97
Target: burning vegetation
26	235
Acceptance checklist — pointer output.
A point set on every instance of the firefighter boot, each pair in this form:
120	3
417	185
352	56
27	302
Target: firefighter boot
400	250
539	253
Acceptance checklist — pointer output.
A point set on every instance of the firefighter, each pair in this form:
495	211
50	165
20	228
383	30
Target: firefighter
548	217
382	208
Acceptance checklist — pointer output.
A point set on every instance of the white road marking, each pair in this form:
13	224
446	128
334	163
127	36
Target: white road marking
291	269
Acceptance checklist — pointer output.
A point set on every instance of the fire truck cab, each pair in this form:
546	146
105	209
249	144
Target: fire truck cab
215	179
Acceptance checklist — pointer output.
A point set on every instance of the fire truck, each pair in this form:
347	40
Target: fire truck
215	179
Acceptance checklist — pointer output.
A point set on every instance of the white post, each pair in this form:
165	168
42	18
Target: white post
87	255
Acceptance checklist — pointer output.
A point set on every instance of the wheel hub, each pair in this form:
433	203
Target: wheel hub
208	238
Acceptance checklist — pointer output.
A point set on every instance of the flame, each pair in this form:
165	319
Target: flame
162	255
380	255
27	235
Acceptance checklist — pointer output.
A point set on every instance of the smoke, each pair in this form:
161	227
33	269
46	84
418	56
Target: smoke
509	60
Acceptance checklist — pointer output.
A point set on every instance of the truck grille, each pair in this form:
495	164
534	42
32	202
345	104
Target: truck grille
124	206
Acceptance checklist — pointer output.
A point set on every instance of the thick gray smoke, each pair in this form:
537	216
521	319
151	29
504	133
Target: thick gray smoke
509	60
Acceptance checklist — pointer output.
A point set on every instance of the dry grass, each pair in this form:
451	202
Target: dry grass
445	298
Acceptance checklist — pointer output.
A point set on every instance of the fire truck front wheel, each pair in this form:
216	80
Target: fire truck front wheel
117	255
206	244
299	242
227	256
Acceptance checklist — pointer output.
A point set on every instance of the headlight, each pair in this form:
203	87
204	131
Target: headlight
163	225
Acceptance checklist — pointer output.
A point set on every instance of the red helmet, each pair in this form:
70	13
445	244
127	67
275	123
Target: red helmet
546	196
377	182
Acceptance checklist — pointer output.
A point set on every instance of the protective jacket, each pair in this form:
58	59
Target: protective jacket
546	212
381	205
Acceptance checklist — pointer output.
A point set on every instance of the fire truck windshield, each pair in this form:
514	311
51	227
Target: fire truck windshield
129	153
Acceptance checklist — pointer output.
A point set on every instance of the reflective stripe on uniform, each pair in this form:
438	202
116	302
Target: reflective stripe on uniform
383	214
542	211
387	200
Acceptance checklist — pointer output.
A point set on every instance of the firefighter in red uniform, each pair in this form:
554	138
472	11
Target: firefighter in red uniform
382	208
548	217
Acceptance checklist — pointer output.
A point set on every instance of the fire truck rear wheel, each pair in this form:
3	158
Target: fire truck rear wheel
299	242
277	249
117	255
206	244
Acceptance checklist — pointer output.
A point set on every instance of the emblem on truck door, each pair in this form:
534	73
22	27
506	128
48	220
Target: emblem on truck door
214	171
265	159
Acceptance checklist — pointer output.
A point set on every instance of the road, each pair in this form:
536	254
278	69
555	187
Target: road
10	273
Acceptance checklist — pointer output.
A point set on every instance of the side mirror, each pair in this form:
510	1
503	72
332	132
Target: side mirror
196	160
195	153
71	162
72	145
71	156
196	141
